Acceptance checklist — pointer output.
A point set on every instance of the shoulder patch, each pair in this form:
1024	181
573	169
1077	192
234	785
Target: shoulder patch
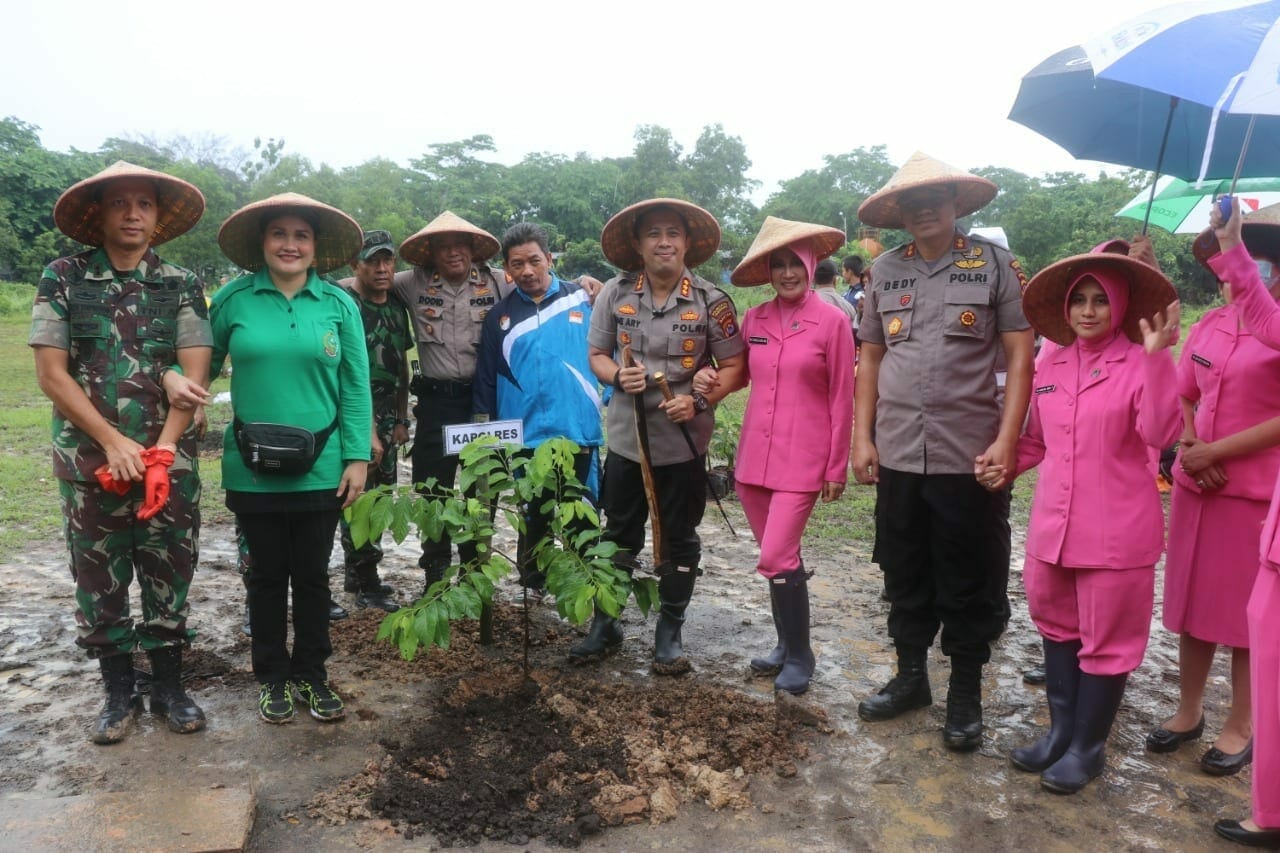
1017	270
723	314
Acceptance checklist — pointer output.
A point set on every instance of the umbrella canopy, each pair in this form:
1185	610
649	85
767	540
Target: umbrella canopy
1213	52
1094	118
1183	208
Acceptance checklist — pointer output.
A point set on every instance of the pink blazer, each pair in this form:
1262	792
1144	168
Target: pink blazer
1096	504
799	416
1261	316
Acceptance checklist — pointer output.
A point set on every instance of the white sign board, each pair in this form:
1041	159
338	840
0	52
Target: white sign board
458	436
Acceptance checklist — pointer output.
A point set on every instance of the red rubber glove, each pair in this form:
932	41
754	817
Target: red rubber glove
111	484
156	480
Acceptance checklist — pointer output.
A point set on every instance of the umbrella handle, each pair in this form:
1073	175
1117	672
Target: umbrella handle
1164	141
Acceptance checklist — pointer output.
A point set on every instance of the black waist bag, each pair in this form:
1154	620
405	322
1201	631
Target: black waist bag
280	448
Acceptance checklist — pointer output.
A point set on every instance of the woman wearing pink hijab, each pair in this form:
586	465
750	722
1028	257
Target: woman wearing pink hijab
796	430
1097	524
1229	258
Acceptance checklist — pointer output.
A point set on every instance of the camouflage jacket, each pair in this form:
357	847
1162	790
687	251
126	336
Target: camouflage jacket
387	336
119	334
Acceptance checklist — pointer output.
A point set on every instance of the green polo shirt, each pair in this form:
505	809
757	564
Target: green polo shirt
299	361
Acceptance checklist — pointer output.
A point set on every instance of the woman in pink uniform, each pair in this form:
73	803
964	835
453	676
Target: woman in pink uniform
1231	262
1097	525
797	426
1229	382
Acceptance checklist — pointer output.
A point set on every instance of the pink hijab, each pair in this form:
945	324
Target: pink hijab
1116	287
804	251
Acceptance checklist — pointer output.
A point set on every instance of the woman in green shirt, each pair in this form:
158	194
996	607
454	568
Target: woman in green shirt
297	345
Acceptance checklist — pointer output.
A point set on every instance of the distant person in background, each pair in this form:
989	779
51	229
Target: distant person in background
853	271
122	342
824	287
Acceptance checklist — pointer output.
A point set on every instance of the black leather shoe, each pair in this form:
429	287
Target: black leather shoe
1161	739
1035	675
1215	762
337	612
1268	839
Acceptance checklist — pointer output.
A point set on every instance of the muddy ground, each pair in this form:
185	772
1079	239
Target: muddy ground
732	770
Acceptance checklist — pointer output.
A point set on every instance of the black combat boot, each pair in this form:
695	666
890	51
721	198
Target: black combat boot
963	729
1062	681
675	589
603	637
167	696
115	720
353	580
906	691
432	572
373	592
792	592
771	663
1097	701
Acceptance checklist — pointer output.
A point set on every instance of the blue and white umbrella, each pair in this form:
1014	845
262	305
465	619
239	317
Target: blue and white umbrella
1222	54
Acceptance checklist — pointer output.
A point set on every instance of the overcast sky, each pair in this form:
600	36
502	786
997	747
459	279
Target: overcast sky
342	83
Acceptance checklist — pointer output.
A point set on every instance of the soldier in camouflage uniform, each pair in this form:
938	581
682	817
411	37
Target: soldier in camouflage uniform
388	337
122	346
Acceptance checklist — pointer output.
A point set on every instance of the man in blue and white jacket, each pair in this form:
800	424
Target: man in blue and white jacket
533	365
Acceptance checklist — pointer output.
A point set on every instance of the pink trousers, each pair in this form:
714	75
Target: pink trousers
1264	673
1107	610
778	520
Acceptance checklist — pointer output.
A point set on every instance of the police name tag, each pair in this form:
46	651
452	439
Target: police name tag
458	436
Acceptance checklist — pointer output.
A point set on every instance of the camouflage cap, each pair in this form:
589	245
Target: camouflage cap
375	242
180	204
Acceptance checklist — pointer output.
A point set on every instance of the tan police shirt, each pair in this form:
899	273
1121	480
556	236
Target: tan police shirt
696	322
937	406
447	317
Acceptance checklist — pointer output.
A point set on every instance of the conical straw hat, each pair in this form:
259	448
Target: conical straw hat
417	249
973	193
777	233
180	205
616	238
338	236
1260	231
1044	302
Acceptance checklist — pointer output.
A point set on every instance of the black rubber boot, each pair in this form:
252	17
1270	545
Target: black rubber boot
604	636
115	720
167	696
792	591
963	729
350	580
1097	701
771	663
373	592
1062	682
433	573
675	589
906	691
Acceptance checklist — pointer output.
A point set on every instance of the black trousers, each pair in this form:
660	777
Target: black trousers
945	562
682	499
289	548
433	411
537	520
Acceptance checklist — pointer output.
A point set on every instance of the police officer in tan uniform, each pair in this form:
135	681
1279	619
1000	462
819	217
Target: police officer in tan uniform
936	313
449	291
676	323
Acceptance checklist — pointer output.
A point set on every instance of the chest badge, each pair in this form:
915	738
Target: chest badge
968	318
428	328
688	344
895	325
690	316
504	322
575	317
624	338
687	362
904	300
627	309
331	344
971	260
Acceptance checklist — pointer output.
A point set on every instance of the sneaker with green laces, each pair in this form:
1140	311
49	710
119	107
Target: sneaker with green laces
275	702
326	705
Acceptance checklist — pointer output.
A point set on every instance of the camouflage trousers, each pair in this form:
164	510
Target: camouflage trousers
369	555
108	545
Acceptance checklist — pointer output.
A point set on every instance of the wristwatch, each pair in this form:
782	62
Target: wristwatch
404	422
700	402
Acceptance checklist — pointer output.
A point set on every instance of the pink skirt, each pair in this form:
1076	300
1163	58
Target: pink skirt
1210	566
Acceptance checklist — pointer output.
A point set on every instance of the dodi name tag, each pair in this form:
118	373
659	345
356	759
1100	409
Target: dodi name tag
458	436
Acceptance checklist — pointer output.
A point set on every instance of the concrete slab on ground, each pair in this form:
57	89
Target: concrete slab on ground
196	820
